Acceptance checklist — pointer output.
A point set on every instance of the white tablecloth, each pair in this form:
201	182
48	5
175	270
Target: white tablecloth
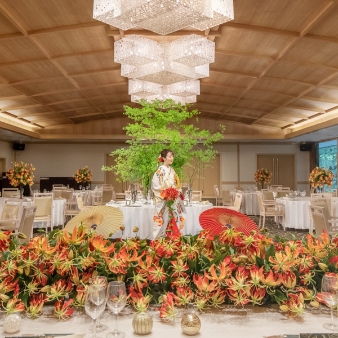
250	204
143	218
234	322
58	211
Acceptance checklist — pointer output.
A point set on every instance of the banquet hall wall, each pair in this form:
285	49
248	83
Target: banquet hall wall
238	160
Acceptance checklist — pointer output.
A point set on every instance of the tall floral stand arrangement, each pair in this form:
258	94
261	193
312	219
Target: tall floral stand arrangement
319	177
83	175
263	176
20	175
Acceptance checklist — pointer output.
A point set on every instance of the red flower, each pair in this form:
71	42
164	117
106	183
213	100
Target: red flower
160	159
170	194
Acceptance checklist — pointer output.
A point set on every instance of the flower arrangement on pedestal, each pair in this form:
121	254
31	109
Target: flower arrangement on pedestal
320	176
20	175
208	272
83	175
263	176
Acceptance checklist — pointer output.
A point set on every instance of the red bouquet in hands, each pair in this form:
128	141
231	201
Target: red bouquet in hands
170	194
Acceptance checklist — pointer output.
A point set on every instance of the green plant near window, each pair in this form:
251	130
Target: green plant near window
158	125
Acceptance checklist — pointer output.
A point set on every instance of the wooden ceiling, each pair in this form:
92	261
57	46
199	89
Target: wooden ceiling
276	68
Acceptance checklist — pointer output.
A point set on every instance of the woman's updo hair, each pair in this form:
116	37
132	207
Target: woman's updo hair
165	152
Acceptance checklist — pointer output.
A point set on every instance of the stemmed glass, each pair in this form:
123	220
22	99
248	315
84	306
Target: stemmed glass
117	298
329	293
99	281
95	303
80	186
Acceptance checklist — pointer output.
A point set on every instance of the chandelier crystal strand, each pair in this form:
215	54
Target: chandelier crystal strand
170	62
160	16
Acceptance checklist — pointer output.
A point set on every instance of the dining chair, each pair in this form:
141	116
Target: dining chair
58	186
226	198
321	221
283	189
196	195
269	209
121	196
107	186
9	192
44	209
67	194
26	223
267	195
70	210
275	186
239	188
237	202
11	214
108	195
96	197
80	203
57	193
217	195
281	193
321	195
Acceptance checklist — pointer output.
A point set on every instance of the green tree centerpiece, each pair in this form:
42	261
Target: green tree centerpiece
158	125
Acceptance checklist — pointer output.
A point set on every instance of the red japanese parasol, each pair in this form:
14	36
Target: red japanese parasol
217	220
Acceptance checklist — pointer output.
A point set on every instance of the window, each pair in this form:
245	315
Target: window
327	158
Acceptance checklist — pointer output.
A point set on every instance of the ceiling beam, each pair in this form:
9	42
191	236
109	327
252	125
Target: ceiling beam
233	53
225	71
11	35
80	54
98	71
322	38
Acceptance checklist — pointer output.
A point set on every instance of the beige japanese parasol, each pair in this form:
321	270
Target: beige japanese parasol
105	220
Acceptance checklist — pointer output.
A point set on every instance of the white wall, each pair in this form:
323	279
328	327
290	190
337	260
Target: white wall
65	159
6	152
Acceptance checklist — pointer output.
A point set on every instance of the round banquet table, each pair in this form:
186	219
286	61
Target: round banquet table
250	204
142	216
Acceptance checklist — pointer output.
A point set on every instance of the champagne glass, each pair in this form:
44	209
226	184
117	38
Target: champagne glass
95	303
80	186
117	298
99	281
329	293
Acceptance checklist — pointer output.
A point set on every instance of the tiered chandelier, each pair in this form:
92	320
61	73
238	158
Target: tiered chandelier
166	69
163	16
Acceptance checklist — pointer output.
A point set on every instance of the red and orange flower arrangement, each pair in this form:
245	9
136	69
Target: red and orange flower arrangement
208	272
21	173
320	176
83	175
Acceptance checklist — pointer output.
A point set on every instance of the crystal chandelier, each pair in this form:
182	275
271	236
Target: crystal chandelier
163	16
184	59
183	92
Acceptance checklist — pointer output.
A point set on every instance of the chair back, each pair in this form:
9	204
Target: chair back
97	197
67	194
26	224
107	186
43	203
321	195
196	195
216	191
108	195
275	186
238	200
121	195
57	193
8	192
10	215
59	186
226	197
325	203
281	193
239	188
283	189
260	201
267	195
318	217
79	202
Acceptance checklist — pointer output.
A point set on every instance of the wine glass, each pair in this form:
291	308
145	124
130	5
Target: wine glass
80	186
95	303
117	298
99	281
329	293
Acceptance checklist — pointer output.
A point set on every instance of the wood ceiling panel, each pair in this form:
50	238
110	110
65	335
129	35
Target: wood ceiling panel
7	91
18	102
37	14
27	111
313	104
50	99
273	123
111	90
71	105
240	64
215	100
47	86
99	79
18	49
280	85
6	27
283	118
246	41
111	99
299	113
298	72
28	71
229	91
227	80
329	26
237	119
89	63
277	14
261	106
244	112
319	52
325	94
274	98
81	111
88	118
76	41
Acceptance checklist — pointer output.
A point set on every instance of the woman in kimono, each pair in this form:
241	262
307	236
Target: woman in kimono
166	177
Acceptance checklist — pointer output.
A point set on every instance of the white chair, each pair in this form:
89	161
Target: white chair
44	209
226	198
321	195
283	189
323	223
26	223
107	186
108	195
267	195
97	197
239	188
70	210
217	195
80	203
58	186
57	193
269	209
196	195
67	194
237	202
10	192
275	186
11	214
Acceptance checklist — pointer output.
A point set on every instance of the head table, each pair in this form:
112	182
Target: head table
230	321
142	216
